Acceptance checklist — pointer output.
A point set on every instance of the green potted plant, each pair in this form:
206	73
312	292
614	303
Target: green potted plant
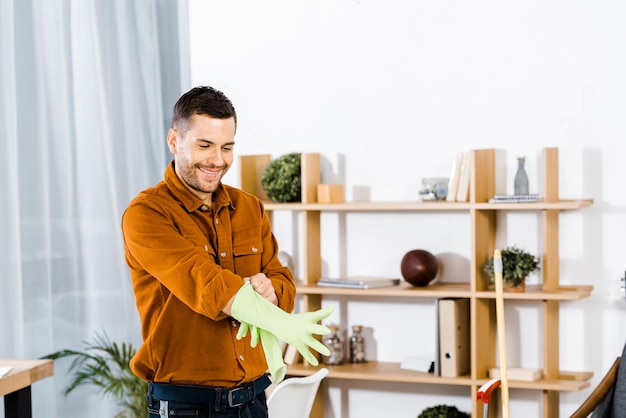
443	411
281	179
517	264
106	365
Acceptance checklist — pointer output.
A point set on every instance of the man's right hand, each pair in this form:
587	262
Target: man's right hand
263	286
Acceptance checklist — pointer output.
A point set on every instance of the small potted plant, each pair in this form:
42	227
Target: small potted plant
517	264
281	179
443	411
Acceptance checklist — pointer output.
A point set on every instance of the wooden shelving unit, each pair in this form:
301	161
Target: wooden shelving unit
479	291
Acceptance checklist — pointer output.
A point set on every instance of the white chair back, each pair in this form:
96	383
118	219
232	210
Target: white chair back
293	397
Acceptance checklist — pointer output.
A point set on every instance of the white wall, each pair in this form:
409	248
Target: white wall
388	92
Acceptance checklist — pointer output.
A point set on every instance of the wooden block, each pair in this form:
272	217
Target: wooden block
311	176
515	373
250	169
330	193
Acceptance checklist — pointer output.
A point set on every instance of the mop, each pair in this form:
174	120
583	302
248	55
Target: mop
484	393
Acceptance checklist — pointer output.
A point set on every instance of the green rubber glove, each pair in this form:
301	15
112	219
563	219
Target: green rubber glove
271	348
295	329
274	356
254	333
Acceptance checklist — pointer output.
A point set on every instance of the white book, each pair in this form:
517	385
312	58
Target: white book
358	282
424	363
455	174
462	194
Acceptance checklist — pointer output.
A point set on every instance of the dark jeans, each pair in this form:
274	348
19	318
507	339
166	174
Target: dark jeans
257	408
244	401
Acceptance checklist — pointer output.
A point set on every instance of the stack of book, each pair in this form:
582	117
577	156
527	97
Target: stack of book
358	282
514	198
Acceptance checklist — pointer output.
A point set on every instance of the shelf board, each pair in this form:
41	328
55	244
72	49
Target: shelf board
379	372
442	290
573	204
416	206
552	384
404	289
535	292
391	372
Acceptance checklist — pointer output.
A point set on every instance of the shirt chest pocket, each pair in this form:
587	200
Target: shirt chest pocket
192	233
248	255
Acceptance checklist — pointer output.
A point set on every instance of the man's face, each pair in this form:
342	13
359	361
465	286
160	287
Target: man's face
203	153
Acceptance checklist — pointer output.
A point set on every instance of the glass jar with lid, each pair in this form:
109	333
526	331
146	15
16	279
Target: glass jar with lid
357	345
334	342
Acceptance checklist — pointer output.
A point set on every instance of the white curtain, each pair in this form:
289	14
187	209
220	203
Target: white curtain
86	91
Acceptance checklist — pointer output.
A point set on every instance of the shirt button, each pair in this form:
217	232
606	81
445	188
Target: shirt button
223	254
255	249
234	324
204	208
241	357
217	221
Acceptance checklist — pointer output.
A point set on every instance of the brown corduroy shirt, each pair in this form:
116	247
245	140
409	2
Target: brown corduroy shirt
186	262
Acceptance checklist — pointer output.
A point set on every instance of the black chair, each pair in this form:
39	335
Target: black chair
608	400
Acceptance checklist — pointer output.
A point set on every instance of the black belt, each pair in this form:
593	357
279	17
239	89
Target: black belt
206	395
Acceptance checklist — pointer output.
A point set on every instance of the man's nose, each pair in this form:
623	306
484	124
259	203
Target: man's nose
217	158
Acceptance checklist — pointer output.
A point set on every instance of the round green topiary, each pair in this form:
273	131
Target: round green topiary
442	411
281	180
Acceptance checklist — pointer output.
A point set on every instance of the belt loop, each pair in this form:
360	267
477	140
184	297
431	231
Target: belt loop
164	409
251	392
150	390
218	399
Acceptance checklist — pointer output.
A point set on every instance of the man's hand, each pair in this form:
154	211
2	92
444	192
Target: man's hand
263	286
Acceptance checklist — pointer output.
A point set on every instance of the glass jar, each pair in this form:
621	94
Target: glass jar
357	345
334	343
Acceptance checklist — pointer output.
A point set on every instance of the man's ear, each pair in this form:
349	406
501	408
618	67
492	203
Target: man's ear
172	140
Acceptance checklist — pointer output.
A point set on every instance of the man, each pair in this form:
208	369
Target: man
207	279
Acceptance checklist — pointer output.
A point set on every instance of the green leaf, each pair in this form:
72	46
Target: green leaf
106	365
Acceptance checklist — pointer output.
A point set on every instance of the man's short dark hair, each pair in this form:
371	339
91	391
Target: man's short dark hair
202	100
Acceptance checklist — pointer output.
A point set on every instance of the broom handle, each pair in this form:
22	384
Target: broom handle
504	386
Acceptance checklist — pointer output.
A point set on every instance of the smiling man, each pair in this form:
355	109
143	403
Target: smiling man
206	276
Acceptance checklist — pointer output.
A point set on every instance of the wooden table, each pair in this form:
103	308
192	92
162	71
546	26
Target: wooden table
15	386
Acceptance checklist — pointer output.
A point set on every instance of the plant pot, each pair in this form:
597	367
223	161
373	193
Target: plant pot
508	287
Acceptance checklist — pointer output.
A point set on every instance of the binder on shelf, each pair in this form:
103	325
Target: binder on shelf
454	336
462	194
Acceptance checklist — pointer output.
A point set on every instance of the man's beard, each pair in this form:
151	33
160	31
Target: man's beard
191	179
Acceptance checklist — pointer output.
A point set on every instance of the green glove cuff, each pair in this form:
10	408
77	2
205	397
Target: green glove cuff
295	329
274	356
271	349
